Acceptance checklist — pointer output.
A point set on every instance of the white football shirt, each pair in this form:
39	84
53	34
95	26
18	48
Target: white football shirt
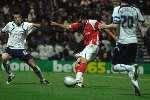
128	18
17	34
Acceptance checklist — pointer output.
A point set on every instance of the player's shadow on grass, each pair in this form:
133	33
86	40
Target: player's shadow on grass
97	86
26	83
106	87
143	95
127	94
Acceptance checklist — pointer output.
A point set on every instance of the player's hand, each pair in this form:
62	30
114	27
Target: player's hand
101	26
54	23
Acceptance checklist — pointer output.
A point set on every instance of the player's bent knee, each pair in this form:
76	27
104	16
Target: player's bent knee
30	60
5	56
83	60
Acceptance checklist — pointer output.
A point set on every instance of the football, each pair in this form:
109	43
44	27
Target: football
69	81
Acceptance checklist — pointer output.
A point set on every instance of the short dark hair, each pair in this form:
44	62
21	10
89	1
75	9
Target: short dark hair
127	1
17	13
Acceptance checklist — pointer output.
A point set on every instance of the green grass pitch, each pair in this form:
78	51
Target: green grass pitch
97	87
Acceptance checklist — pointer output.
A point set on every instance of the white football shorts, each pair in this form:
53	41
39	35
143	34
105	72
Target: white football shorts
89	52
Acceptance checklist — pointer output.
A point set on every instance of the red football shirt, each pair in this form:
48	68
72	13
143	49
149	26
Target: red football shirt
91	33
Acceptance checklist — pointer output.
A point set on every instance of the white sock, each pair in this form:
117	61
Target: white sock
123	67
135	82
11	74
79	77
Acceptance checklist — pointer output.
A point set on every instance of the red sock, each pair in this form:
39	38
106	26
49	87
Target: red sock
81	68
76	68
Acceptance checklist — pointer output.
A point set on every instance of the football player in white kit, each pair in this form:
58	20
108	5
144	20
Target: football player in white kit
16	46
127	18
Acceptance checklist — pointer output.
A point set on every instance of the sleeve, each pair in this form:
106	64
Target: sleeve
140	17
75	26
6	28
116	17
29	27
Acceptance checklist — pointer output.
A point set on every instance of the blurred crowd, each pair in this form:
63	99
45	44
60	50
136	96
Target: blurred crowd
55	43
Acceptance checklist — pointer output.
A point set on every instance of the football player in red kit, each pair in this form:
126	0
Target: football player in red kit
92	37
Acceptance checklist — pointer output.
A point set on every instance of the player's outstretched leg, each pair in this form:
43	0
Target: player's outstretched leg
133	75
6	65
134	79
37	71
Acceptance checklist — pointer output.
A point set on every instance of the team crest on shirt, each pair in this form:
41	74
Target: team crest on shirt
87	33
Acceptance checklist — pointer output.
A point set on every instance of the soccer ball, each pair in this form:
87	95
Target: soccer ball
69	81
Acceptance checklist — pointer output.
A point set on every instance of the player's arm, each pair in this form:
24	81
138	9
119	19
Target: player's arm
103	26
5	29
60	25
143	28
36	25
107	27
116	20
30	27
112	25
73	26
142	24
1	33
110	33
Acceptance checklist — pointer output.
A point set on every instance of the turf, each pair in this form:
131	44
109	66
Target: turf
97	87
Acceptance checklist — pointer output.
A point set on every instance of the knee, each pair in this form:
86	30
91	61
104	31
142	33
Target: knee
5	57
114	67
31	63
83	60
